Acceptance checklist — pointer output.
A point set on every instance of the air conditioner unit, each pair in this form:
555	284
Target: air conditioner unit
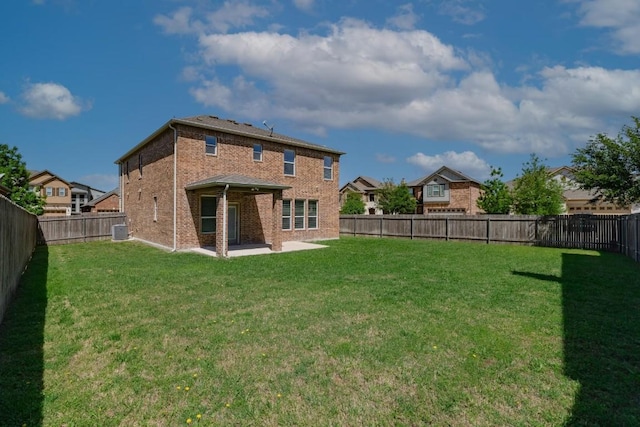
119	232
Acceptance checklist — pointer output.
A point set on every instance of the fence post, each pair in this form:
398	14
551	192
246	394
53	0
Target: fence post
412	218
84	229
488	230
535	232
446	228
355	218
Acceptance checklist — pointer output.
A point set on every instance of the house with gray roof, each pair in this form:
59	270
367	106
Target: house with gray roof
366	187
204	181
446	191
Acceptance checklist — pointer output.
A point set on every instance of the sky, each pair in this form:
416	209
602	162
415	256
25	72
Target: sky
402	87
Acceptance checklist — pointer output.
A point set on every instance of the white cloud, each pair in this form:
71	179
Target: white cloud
50	101
461	12
466	162
405	19
358	76
305	5
4	98
232	14
622	17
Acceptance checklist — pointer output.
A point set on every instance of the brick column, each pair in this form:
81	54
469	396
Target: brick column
221	224
276	220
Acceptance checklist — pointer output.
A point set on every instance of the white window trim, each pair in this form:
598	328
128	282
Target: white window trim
293	163
215	146
441	189
155	208
254	152
303	216
287	216
48	190
327	168
309	202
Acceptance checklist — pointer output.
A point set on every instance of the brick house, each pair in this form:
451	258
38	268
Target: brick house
446	191
204	181
107	203
367	187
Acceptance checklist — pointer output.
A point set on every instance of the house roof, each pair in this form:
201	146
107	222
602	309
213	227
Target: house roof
52	176
233	180
357	185
445	173
232	127
115	191
77	187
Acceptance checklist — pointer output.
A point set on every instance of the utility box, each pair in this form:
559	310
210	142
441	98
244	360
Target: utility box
119	232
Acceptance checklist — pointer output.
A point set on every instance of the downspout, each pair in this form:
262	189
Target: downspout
175	187
224	221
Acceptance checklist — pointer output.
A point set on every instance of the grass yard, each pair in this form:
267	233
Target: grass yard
365	332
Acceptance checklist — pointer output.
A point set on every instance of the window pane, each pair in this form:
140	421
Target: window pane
288	169
257	152
286	223
299	207
328	161
313	207
313	222
211	143
208	225
289	156
208	207
286	214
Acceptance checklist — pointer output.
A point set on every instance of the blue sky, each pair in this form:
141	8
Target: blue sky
402	88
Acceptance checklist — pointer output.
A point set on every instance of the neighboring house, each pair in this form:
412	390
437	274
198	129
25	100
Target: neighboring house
107	203
367	187
204	181
446	191
82	194
578	201
56	190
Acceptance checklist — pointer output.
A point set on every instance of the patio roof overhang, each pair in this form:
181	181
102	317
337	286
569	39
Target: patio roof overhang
237	182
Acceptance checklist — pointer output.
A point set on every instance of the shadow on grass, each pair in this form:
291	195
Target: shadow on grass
21	347
601	316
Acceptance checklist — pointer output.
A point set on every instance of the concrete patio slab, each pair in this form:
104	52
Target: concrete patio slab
246	250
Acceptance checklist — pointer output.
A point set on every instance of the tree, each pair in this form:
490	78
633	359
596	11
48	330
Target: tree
535	193
14	176
610	166
395	199
496	197
353	204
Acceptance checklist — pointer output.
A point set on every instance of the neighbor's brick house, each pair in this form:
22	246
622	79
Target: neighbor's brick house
367	188
108	202
446	191
204	181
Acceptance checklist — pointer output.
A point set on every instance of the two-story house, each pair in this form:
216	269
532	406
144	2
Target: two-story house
56	190
367	188
446	191
204	181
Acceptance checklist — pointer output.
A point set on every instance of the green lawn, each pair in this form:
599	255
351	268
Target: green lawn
365	332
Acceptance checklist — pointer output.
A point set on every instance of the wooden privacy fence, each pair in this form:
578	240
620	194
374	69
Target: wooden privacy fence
17	242
73	229
598	232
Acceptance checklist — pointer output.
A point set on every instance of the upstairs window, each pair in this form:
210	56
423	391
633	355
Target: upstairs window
289	162
211	145
62	192
435	190
257	152
49	191
328	167
140	164
208	208
372	197
126	168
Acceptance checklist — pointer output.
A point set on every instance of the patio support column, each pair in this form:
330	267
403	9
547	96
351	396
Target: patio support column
221	223
276	220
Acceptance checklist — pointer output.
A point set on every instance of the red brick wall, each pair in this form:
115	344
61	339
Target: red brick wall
110	204
462	195
234	156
